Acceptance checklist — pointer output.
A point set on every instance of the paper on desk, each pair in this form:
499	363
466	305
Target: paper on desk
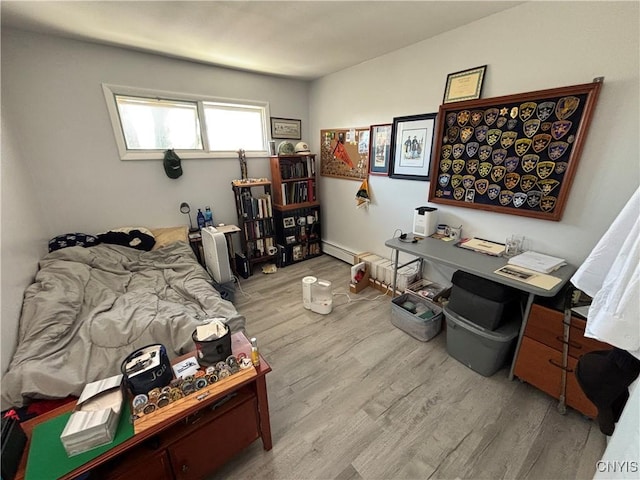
93	389
227	228
536	279
210	331
537	261
483	246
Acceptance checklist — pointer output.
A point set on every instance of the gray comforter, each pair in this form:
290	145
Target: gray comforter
91	307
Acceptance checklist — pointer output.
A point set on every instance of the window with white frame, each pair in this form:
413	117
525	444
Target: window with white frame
146	123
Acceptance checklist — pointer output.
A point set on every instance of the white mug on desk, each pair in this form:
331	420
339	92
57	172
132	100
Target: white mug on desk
455	233
443	229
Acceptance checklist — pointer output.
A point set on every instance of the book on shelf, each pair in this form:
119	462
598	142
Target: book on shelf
265	200
538	262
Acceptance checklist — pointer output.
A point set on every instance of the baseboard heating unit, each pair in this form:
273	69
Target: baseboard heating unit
338	252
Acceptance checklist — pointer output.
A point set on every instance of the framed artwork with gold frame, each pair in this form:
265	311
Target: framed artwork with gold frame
516	154
464	85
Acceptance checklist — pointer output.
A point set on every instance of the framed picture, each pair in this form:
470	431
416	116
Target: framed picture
286	128
379	149
515	154
288	222
464	85
412	141
290	239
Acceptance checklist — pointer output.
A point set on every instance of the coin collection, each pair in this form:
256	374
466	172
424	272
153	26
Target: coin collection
511	154
157	398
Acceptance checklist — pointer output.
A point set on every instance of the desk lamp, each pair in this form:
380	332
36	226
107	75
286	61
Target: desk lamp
186	209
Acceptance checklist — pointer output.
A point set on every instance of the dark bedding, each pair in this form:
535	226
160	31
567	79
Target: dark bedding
90	307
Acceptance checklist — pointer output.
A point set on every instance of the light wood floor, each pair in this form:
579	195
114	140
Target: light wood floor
353	397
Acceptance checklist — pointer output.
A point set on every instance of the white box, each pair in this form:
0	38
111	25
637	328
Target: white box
377	269
406	276
94	419
369	260
385	272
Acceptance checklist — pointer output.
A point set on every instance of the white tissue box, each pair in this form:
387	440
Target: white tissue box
95	418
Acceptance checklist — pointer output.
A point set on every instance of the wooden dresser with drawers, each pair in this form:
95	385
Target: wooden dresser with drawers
539	361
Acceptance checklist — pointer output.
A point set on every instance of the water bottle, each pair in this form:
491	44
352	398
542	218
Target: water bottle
255	355
208	217
200	217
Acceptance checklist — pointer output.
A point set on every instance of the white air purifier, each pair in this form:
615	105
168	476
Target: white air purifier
425	221
216	258
321	297
306	291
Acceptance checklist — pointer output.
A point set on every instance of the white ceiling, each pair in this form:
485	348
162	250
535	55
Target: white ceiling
298	39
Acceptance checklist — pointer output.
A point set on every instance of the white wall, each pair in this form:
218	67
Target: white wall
60	167
535	46
53	88
23	237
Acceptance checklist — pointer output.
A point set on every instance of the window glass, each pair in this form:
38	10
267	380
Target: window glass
150	124
231	127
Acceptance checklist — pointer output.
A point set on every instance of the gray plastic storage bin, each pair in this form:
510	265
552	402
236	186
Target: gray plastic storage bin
417	324
484	351
484	302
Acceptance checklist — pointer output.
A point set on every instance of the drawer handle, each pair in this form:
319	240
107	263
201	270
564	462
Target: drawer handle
569	342
569	370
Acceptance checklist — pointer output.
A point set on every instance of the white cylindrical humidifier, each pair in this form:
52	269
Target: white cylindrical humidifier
321	297
306	291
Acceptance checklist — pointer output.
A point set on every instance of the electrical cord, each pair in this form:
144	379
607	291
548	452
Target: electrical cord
404	237
360	299
237	281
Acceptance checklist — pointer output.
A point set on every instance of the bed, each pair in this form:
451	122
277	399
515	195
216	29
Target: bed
89	307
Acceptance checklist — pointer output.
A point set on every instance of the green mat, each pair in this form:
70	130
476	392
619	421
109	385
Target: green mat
47	457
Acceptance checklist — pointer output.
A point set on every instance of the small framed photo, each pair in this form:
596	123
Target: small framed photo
411	145
297	252
289	222
464	85
379	149
290	239
286	128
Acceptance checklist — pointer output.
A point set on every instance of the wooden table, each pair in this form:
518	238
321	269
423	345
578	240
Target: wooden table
191	443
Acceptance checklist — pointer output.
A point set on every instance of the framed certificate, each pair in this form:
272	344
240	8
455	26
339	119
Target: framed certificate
464	85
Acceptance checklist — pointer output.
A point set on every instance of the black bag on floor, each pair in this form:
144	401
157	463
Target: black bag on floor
604	376
13	443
